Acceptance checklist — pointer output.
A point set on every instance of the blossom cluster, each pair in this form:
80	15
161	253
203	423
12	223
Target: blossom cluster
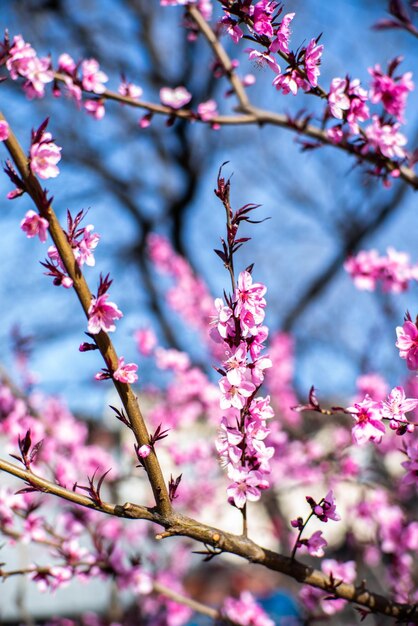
392	272
239	327
368	415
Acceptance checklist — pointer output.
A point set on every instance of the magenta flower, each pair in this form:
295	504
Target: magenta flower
102	315
368	425
144	451
125	372
130	90
386	139
175	98
396	405
326	509
34	225
408	344
4	130
315	544
312	62
92	78
283	35
245	610
391	92
245	486
235	395
263	58
207	110
145	340
44	156
95	108
83	251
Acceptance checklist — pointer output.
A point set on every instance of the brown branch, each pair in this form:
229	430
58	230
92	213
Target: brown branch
177	524
103	342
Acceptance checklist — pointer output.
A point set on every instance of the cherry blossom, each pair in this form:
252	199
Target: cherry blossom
44	156
92	78
4	130
175	98
34	225
391	92
245	611
282	35
102	315
368	418
408	344
125	372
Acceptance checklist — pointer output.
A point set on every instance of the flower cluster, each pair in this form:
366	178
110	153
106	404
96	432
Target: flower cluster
393	272
245	611
391	91
368	415
22	61
239	326
408	343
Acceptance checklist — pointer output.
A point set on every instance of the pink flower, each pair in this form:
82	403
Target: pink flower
44	156
246	486
368	426
145	340
4	130
232	28
396	405
262	59
22	61
175	98
283	35
83	252
144	451
95	108
125	373
326	509
235	395
102	315
312	61
315	544
207	110
385	138
34	225
130	90
408	344
391	92
66	64
245	611
92	78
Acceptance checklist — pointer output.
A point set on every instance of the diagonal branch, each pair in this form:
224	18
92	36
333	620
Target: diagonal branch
103	342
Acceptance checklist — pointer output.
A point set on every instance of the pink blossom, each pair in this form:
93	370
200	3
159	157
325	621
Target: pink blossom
249	297
262	14
144	451
316	544
326	509
245	611
92	78
373	385
102	315
312	61
394	271
282	35
44	156
4	130
262	59
125	372
335	134
385	138
21	54
236	364
411	465
130	90
207	110
34	225
66	64
245	486
95	108
396	405
235	395
391	92
368	426
22	61
175	98
172	359
290	82
232	28
347	100
83	251
145	340
408	344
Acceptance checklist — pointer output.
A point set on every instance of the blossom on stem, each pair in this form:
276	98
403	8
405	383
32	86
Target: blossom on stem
102	315
245	611
396	405
385	138
235	395
245	486
4	130
368	425
315	544
325	509
175	98
92	78
44	156
125	372
408	344
34	225
391	92
281	42
313	55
